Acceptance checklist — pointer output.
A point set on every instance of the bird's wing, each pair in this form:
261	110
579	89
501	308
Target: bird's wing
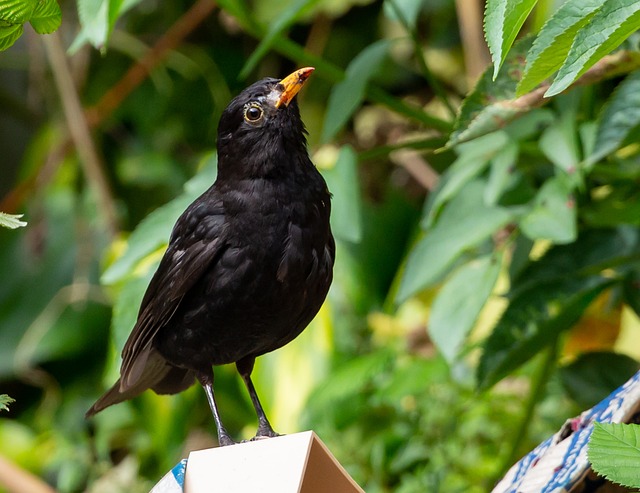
182	265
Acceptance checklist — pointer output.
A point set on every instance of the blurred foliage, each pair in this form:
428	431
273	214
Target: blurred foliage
488	276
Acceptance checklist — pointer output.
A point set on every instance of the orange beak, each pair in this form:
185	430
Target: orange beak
292	84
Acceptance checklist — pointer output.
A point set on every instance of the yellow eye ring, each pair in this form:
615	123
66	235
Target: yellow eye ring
253	113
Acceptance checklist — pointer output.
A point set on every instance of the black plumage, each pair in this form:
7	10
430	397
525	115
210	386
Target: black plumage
249	263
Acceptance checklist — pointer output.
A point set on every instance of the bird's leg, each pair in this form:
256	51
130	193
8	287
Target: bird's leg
206	380
245	366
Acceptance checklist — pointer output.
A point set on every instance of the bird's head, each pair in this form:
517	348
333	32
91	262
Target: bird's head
260	132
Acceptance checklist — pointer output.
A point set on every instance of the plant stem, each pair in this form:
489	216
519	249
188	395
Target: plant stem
538	386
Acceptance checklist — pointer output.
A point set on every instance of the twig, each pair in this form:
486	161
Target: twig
476	53
17	480
417	167
139	72
79	130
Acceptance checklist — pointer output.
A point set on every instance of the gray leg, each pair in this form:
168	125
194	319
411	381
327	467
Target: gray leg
206	380
245	366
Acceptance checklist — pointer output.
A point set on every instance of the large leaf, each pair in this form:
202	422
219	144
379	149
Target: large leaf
608	28
554	40
532	321
465	223
344	185
593	376
458	304
490	105
502	22
619	117
594	251
553	216
614	452
348	94
46	17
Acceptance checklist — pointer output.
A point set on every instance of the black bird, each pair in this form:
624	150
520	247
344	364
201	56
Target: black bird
249	263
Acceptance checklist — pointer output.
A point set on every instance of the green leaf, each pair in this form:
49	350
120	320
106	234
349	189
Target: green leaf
347	95
17	11
458	304
489	106
607	29
408	9
154	230
594	251
554	40
5	400
464	223
559	143
593	376
502	22
614	452
619	117
11	221
94	21
344	185
46	17
473	158
553	215
502	173
532	321
283	22
9	33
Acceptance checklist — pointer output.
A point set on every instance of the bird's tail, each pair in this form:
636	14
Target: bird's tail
158	375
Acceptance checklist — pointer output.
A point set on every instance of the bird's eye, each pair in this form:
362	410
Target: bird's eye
253	113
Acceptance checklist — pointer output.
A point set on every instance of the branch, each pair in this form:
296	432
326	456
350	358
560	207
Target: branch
112	99
79	130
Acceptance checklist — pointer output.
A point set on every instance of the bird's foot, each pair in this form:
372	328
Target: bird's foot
265	432
224	440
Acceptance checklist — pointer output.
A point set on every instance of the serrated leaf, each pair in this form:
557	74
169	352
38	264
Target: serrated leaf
554	40
11	221
347	95
344	185
489	107
5	400
17	11
532	321
502	22
619	117
614	452
553	215
46	17
459	302
464	223
9	33
608	28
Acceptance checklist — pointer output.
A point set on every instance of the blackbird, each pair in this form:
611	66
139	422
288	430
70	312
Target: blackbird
249	262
